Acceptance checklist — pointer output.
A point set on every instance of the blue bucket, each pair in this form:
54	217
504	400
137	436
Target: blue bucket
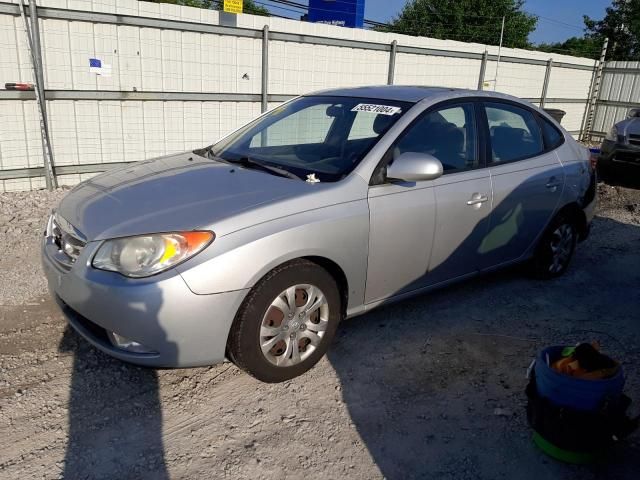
581	394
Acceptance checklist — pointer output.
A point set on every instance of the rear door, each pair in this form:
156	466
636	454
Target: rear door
527	182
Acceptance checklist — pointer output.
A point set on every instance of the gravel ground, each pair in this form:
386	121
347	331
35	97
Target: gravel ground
427	388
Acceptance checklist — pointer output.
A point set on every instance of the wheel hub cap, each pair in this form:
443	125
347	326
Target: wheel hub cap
561	247
293	325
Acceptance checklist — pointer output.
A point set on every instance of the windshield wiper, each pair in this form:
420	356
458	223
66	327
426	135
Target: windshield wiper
248	162
251	163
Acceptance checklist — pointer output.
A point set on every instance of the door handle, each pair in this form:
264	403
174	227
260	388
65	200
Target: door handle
477	199
552	185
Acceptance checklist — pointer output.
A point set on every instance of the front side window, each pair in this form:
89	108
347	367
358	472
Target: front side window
320	135
449	134
514	133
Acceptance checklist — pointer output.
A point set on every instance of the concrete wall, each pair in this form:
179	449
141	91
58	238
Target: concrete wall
144	59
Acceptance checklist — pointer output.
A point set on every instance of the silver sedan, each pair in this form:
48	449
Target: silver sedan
256	247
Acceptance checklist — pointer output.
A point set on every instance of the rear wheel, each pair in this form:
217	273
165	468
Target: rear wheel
555	249
286	323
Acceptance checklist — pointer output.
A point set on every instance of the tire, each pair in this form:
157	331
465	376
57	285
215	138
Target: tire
555	249
265	319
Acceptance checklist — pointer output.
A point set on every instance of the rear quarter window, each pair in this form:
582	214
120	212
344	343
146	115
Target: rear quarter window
553	137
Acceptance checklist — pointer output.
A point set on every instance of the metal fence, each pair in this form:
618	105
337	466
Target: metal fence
619	91
181	77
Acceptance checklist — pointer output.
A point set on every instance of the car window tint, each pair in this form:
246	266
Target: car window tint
449	134
552	135
309	125
514	132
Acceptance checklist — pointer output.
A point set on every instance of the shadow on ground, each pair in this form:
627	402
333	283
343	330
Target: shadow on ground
435	385
627	176
115	415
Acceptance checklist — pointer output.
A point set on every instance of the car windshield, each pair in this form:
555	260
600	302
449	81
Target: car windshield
319	138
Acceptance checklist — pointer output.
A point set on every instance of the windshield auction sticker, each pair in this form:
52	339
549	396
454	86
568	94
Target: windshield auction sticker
378	109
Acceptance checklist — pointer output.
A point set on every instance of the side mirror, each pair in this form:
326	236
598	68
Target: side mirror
634	112
414	167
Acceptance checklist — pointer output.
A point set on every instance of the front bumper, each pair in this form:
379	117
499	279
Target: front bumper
613	152
176	326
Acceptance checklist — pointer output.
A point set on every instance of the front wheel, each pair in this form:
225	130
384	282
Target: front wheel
286	323
555	249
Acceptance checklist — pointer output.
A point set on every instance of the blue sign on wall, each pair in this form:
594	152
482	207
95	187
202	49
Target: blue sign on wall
345	13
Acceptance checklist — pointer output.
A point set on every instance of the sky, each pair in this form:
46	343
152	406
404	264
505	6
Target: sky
559	19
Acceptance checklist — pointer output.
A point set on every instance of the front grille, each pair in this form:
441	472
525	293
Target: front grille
634	139
67	239
627	157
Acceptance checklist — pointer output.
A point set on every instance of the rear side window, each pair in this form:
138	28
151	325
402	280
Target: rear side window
514	131
552	136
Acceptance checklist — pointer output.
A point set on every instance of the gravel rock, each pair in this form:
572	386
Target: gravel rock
23	216
423	397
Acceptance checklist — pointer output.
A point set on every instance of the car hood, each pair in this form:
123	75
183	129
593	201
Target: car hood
629	126
179	192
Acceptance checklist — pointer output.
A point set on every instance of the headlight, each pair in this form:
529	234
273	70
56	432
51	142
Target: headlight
613	134
147	255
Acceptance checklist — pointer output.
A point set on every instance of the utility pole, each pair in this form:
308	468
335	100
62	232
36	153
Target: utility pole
495	80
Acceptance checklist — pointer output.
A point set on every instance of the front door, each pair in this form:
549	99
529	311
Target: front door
423	233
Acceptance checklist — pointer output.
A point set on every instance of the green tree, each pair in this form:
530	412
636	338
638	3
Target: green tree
248	5
466	20
621	25
587	46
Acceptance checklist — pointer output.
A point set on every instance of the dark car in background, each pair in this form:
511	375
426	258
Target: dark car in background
621	146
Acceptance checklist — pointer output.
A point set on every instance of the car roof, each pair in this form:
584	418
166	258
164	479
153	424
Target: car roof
406	93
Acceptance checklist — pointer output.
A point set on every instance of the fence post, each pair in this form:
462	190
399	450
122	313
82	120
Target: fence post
36	53
545	85
483	69
592	104
265	68
392	62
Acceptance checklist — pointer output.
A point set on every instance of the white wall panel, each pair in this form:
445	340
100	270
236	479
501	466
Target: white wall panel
56	54
129	65
517	79
89	134
111	138
82	49
569	83
414	69
133	131
154	141
151	59
63	131
572	120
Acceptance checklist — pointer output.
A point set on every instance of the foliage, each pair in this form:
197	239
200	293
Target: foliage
621	25
588	47
466	20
